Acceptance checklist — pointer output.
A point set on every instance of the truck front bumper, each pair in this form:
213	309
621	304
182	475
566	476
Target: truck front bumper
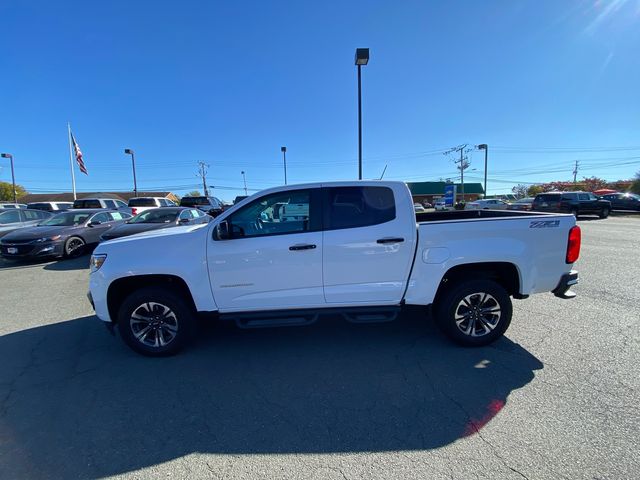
566	282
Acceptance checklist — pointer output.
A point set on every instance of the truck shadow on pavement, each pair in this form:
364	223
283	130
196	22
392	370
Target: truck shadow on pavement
76	403
59	265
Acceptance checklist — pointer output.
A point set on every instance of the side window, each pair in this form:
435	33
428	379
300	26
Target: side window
351	207
592	196
116	216
102	217
110	203
185	214
162	202
12	216
31	215
276	214
119	203
583	196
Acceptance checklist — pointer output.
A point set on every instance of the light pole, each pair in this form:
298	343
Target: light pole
13	177
284	159
245	183
128	151
362	58
485	147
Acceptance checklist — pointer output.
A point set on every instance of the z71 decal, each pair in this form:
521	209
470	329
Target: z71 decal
545	224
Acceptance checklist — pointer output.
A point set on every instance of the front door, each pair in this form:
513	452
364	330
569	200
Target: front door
273	259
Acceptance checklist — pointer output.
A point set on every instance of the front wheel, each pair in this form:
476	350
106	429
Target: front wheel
475	312
73	247
154	321
604	213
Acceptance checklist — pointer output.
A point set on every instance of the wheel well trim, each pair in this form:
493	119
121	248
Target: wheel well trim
118	289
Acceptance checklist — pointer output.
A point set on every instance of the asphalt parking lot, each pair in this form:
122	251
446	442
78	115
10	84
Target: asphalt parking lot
557	398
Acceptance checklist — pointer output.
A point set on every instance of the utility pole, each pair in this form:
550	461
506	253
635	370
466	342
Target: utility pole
463	162
575	172
202	173
245	183
284	158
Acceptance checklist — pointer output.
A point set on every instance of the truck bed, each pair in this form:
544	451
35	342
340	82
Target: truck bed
471	214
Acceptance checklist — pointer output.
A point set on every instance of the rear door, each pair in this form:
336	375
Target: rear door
587	204
369	242
270	262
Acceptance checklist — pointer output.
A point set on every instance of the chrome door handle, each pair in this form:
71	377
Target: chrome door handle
302	246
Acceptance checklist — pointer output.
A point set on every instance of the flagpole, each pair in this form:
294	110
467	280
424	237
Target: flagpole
73	175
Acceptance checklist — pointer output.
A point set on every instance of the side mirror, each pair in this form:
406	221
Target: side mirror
95	223
222	231
183	220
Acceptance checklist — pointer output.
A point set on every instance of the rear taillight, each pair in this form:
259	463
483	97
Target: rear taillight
573	245
134	211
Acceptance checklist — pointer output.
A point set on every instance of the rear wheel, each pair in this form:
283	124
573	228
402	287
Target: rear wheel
154	321
604	213
574	212
475	312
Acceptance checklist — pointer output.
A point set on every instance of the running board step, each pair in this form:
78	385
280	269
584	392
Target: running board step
277	320
378	315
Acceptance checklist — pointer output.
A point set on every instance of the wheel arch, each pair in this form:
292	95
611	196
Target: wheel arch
505	274
122	287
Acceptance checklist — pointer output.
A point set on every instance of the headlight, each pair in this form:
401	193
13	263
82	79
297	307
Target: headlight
48	239
97	261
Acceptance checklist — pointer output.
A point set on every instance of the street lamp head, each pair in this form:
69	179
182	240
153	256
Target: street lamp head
362	56
6	155
128	151
482	146
283	149
242	172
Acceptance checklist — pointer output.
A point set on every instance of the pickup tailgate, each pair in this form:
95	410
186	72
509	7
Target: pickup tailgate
536	244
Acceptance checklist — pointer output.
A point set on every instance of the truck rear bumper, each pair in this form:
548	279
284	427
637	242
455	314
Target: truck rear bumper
566	282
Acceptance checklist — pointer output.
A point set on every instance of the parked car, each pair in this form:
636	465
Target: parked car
522	204
11	206
155	219
140	204
13	219
107	203
427	205
66	234
623	201
488	204
419	208
210	205
440	205
359	251
576	203
50	206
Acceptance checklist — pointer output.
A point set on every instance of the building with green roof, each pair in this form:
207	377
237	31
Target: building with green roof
432	191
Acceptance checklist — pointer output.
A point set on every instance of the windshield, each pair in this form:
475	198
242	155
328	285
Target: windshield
67	219
155	216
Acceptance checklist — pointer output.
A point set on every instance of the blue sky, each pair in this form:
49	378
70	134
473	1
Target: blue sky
542	82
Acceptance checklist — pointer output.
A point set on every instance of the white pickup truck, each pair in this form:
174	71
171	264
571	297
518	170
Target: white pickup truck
353	248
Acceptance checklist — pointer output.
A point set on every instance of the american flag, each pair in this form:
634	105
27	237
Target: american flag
78	153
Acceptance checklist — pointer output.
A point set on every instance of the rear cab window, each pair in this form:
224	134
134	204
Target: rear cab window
142	202
87	203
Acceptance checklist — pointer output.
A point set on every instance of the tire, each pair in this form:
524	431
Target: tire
74	247
163	323
604	213
470	327
574	212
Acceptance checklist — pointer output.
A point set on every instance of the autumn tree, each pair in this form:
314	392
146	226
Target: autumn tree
520	190
6	191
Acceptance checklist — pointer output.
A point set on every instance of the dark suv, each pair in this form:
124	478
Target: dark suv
210	205
577	203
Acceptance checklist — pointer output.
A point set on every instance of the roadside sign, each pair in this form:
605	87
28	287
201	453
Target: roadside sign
449	195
